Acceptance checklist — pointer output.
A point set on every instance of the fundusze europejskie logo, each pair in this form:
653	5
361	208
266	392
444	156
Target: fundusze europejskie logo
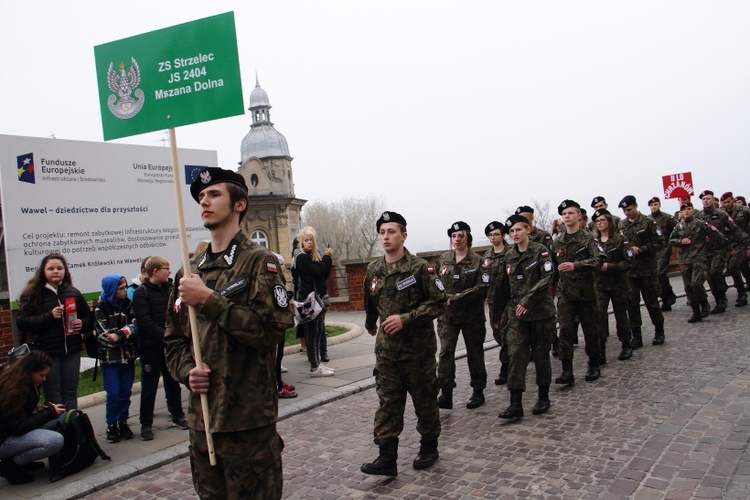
122	104
26	168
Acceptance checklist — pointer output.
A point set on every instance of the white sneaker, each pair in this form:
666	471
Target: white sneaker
321	371
326	368
284	369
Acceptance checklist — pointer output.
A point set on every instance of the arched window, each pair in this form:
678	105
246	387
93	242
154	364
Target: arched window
261	238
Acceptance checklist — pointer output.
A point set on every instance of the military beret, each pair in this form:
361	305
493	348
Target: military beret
599	213
524	209
567	204
705	193
495	225
583	212
686	205
390	217
214	175
726	195
458	226
627	201
742	199
515	219
597	200
655	199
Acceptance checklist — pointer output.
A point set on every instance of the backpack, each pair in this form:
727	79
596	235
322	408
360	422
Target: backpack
80	448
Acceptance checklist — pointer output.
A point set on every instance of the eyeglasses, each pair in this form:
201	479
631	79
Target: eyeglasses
495	235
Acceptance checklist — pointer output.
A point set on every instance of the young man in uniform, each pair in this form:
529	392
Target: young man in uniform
493	265
405	296
644	242
524	289
690	238
665	223
738	259
239	297
578	258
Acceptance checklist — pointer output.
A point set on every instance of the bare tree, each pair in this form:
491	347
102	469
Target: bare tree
347	225
542	217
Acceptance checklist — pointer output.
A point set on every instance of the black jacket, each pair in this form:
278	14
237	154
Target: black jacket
47	333
150	309
312	275
27	419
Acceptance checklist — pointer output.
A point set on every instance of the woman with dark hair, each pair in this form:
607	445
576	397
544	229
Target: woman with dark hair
611	282
59	333
25	431
312	271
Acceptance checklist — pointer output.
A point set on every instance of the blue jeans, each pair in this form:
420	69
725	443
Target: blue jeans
61	385
34	445
118	383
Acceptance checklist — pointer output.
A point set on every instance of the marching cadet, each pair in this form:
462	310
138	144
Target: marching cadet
241	302
612	283
599	203
717	253
537	234
690	236
404	295
494	259
665	223
524	291
738	260
578	259
644	241
466	285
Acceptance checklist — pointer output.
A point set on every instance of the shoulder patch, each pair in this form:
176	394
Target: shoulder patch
280	297
431	270
548	266
439	284
272	268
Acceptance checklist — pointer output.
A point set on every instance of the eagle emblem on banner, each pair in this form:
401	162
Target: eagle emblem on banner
123	105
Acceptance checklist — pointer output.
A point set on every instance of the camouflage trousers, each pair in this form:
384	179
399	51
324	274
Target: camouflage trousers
393	380
568	313
248	464
530	340
620	298
716	281
662	270
645	286
474	334
500	335
734	267
693	278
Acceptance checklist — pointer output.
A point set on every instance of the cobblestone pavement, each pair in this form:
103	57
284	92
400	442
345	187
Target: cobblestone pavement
673	422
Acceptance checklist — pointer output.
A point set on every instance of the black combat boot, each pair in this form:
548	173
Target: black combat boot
705	308
428	454
665	305
697	316
637	342
385	464
445	401
721	305
502	378
14	473
555	346
626	352
476	400
741	297
593	372
658	336
113	433
566	377
515	410
603	352
542	405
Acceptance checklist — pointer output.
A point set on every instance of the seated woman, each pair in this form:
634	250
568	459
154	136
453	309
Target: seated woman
26	431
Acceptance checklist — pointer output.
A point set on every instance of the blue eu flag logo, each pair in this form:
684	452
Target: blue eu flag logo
192	171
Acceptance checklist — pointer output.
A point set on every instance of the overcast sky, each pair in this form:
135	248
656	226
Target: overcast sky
449	111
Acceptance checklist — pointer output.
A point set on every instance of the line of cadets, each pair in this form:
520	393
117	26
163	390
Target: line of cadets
584	269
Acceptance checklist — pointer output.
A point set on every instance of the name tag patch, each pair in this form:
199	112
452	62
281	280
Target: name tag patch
235	286
406	283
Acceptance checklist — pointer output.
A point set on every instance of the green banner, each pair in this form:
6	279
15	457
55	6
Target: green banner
170	77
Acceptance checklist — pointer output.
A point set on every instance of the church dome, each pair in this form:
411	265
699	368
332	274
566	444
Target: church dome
258	97
262	142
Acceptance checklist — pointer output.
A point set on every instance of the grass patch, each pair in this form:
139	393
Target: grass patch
291	334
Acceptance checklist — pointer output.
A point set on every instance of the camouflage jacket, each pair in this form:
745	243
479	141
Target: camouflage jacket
466	285
410	289
493	264
239	328
526	281
542	237
699	232
665	223
580	249
741	217
618	262
719	219
643	233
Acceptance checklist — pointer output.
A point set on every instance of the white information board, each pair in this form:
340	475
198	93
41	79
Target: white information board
104	206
